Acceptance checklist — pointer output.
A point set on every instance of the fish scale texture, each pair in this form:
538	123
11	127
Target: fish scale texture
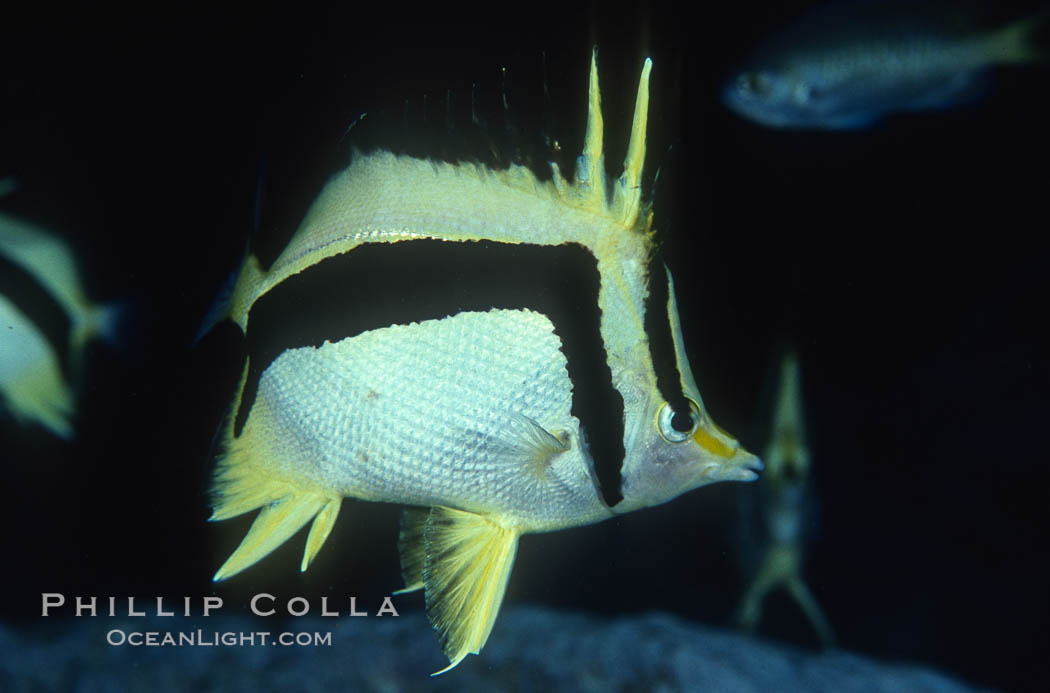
429	413
531	649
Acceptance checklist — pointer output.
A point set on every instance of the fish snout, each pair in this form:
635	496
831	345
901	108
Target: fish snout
748	465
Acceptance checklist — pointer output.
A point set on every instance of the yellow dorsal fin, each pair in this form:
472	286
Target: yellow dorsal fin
590	166
341	218
251	283
590	185
467	563
628	194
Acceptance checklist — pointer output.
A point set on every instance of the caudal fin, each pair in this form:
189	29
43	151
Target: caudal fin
1025	41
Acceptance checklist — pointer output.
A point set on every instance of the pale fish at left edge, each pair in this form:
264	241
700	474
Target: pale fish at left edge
34	386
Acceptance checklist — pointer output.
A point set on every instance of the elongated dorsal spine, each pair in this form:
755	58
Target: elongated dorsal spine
590	166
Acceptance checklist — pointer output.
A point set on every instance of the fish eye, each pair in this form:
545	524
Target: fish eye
677	426
803	92
754	82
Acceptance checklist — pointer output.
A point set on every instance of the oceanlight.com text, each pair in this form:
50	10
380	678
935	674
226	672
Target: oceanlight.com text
203	638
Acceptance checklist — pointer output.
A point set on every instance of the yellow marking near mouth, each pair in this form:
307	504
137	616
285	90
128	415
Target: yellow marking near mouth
711	444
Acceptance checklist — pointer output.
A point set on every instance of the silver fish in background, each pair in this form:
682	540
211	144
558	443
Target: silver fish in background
848	64
474	416
33	386
784	493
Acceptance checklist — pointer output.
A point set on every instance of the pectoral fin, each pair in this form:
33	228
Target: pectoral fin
524	442
467	562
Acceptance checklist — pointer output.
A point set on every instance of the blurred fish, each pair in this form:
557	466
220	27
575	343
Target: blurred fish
784	492
848	64
32	383
511	338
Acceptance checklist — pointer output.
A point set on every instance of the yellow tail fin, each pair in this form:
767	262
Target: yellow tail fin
467	562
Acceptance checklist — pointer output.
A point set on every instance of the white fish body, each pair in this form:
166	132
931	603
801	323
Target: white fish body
497	384
470	417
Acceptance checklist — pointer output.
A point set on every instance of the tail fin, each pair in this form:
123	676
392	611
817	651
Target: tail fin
220	307
1025	41
114	323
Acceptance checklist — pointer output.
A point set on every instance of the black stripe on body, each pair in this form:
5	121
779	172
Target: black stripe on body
381	284
35	302
661	341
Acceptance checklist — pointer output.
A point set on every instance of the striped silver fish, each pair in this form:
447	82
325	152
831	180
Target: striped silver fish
33	383
848	64
493	414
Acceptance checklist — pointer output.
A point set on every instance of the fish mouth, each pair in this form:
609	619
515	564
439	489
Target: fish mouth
747	467
741	466
753	463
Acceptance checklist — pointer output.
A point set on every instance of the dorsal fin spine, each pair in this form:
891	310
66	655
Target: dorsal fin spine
590	166
590	184
628	193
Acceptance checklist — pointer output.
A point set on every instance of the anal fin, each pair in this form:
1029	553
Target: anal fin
410	547
467	562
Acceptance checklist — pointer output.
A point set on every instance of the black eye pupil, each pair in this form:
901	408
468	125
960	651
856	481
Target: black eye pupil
682	421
